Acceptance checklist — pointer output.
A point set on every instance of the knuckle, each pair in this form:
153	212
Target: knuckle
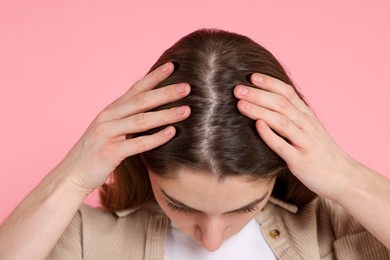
283	104
289	92
103	116
136	85
284	122
140	143
305	119
102	129
310	112
140	119
280	148
139	100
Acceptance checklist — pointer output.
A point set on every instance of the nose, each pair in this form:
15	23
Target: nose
210	233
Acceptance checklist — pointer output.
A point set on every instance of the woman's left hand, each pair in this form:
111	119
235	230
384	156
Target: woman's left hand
310	153
289	127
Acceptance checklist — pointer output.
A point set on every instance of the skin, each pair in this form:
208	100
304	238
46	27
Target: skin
214	210
51	205
313	156
310	153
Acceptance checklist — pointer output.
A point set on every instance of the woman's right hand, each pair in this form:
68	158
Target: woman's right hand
37	223
108	140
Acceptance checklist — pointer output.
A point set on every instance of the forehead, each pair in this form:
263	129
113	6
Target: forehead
184	176
201	190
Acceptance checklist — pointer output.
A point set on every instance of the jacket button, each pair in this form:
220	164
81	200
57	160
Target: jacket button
274	233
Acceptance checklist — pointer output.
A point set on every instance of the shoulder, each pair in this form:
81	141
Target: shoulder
352	238
94	233
333	229
99	221
330	218
327	211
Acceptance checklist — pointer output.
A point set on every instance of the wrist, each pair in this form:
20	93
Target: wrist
347	182
61	182
357	185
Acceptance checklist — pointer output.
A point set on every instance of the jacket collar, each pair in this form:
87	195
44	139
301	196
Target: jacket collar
124	212
292	208
154	206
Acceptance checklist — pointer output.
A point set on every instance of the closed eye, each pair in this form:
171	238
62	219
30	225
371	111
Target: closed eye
187	210
178	208
246	210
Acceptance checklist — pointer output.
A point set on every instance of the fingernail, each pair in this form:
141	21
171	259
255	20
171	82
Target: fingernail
243	91
258	78
181	88
165	67
168	131
180	110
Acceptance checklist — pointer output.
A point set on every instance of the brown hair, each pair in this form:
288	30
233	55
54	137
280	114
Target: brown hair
216	138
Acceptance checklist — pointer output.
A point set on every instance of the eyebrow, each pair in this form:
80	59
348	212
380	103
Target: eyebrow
181	204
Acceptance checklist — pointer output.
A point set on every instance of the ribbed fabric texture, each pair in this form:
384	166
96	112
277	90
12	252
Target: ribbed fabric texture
320	230
70	245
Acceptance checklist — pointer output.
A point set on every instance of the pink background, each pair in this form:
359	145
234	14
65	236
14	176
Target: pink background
61	62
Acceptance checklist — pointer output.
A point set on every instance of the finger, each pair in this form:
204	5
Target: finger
141	144
277	121
146	121
280	146
279	87
148	82
269	100
153	78
151	99
145	101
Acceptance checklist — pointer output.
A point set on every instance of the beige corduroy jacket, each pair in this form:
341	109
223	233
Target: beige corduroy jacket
320	230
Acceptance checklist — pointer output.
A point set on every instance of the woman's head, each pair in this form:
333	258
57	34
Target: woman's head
216	141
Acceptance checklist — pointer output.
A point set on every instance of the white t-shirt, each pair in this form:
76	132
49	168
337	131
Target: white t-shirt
247	244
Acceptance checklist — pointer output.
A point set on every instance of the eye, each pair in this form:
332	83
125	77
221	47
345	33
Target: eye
246	210
177	208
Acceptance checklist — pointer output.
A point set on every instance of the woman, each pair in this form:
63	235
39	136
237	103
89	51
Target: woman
243	153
